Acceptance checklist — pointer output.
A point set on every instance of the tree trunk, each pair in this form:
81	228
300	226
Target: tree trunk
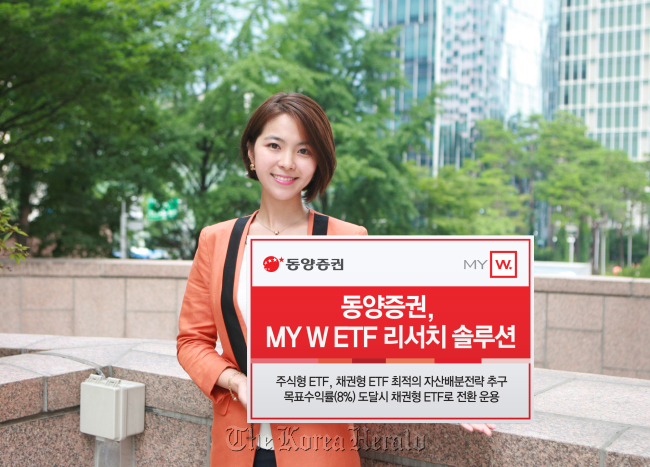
621	249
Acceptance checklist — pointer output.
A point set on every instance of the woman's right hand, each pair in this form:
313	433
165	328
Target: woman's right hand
239	385
235	381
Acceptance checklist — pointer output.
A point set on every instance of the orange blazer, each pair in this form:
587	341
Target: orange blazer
201	321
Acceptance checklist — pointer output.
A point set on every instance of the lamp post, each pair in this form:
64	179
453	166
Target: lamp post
123	240
572	231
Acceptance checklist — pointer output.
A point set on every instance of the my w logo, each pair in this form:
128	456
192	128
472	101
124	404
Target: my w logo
503	264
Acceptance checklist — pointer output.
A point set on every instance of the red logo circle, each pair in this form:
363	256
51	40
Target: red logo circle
271	263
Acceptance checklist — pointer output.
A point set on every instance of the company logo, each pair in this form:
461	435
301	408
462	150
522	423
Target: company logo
271	263
503	264
311	264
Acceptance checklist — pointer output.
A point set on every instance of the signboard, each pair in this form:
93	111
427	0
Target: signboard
390	329
167	210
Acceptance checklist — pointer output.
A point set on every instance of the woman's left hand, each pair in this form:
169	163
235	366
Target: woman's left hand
480	427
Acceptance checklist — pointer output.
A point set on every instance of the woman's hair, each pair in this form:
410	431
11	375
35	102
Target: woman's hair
309	115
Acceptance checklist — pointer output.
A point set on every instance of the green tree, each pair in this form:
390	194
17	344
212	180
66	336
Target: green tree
63	63
17	252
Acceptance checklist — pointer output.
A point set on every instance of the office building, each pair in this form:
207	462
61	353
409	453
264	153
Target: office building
605	68
487	52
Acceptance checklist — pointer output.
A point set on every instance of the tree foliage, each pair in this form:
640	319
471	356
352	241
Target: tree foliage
103	101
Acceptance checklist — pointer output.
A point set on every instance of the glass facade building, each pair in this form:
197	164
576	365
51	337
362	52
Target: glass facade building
487	52
605	70
551	59
419	49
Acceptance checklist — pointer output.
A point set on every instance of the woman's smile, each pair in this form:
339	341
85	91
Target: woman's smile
283	180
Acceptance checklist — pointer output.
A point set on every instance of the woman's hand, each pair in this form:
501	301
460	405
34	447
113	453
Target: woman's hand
479	427
239	384
232	379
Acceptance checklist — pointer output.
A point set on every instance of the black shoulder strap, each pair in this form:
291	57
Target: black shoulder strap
233	328
230	319
320	224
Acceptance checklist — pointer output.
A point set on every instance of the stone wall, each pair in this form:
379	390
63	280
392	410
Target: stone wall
580	419
592	324
93	297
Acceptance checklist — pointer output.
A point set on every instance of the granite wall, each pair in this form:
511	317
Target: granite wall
593	324
580	419
93	297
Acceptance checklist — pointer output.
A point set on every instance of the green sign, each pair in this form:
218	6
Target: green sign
162	212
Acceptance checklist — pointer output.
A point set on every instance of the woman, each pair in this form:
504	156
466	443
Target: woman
289	147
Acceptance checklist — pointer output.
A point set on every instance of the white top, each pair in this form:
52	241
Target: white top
265	438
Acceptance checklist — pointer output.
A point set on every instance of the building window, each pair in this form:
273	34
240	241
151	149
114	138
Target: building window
619	67
619	41
601	92
638	14
628	66
600	118
584	69
637	66
608	118
585	20
629	15
575	70
628	41
603	16
611	17
620	15
409	42
618	92
637	41
567	46
610	42
636	91
610	67
423	40
617	118
627	91
626	117
401	11
583	95
601	68
635	117
415	10
609	93
567	72
616	141
634	144
584	45
602	43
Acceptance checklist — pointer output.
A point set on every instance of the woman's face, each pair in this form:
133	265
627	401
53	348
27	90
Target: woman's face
284	159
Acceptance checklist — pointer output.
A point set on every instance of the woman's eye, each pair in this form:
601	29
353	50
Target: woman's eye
303	151
274	146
